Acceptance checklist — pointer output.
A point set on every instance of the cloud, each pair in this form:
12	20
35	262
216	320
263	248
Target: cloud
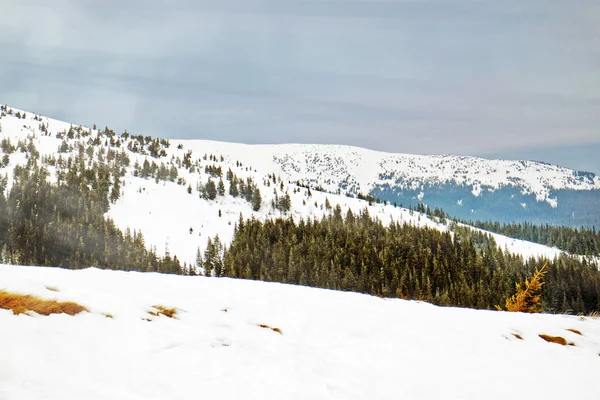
453	76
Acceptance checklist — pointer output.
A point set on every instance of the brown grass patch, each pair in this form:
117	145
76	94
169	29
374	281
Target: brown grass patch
554	339
575	331
52	289
23	303
162	310
518	336
109	316
264	326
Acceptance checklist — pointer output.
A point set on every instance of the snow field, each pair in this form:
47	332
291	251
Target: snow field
334	345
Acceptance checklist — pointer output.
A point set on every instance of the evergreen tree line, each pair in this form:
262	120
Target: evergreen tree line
580	241
62	224
576	241
358	253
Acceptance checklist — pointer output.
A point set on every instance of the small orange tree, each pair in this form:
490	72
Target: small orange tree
527	297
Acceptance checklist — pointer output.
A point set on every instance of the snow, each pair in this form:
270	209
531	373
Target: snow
165	212
334	345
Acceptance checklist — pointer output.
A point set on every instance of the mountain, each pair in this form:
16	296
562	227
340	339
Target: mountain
159	186
233	339
465	187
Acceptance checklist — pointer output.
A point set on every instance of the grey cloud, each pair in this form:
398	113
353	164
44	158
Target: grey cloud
453	76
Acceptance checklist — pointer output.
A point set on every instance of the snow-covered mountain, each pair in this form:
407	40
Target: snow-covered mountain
354	169
173	217
465	187
247	339
329	345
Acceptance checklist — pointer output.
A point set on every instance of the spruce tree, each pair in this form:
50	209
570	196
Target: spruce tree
256	200
211	189
210	255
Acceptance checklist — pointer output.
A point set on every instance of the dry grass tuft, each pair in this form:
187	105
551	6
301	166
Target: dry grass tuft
52	289
264	326
554	339
162	310
109	316
518	336
575	331
23	303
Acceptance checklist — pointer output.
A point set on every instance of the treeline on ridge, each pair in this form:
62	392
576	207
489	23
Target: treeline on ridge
580	241
576	241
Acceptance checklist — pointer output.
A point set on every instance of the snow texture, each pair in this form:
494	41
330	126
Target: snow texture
332	345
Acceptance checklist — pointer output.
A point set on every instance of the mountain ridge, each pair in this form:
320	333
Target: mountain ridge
468	170
147	206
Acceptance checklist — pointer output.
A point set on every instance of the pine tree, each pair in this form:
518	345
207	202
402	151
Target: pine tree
209	258
218	256
256	200
199	263
527	297
285	203
233	187
211	189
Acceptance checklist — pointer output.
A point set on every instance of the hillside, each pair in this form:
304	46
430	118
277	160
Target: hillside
466	187
159	186
331	344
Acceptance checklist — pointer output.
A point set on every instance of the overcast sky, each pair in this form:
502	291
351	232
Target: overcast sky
509	78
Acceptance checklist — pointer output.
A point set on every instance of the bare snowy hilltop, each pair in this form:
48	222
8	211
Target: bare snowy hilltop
466	187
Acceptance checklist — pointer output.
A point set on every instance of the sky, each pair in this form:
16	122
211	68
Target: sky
508	79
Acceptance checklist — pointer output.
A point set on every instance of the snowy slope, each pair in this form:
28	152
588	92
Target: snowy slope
333	345
173	220
362	169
